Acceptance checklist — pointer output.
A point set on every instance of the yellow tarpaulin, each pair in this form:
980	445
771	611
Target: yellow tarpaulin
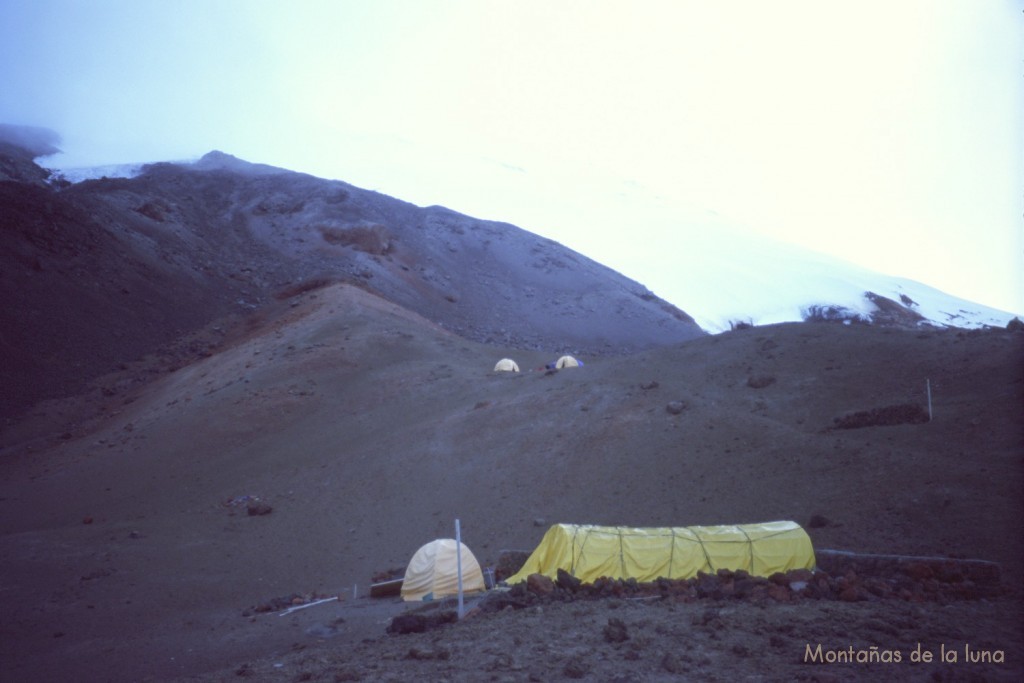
589	552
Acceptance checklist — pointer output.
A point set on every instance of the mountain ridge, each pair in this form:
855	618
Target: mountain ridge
742	276
188	244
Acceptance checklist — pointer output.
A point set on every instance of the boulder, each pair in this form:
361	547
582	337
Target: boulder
538	584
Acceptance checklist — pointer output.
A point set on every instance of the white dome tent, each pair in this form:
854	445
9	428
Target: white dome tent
432	572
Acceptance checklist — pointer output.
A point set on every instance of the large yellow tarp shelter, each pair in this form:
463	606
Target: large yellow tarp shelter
590	552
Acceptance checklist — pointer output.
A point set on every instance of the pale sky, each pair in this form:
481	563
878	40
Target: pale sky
646	135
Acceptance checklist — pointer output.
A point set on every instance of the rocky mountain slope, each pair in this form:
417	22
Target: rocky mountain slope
104	271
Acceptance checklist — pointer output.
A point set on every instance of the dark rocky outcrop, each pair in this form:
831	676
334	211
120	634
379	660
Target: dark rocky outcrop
904	413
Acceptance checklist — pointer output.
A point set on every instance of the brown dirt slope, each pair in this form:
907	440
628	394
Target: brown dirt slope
368	429
100	273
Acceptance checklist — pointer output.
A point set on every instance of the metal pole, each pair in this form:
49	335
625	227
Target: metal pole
458	563
928	386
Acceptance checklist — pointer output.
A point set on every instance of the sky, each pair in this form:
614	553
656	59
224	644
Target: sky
651	136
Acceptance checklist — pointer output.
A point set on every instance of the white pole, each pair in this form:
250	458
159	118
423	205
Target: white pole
458	563
308	604
928	385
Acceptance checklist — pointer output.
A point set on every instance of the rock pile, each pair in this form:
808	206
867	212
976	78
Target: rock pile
914	581
852	578
904	413
284	602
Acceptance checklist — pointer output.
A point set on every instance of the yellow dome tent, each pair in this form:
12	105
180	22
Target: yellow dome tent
567	362
433	572
589	552
506	365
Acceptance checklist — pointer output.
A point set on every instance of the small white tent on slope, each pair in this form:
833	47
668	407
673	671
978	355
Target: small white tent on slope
432	572
506	365
567	362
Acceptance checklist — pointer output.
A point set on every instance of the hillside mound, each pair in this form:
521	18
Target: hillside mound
365	429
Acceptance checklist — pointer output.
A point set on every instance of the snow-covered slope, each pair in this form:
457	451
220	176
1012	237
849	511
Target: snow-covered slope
723	273
76	174
757	281
787	283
